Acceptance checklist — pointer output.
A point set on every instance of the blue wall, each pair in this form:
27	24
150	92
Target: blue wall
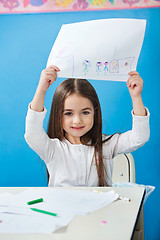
25	43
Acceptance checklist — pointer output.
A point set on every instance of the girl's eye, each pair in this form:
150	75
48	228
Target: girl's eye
86	112
68	113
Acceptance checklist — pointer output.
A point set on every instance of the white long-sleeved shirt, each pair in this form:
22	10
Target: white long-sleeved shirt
74	164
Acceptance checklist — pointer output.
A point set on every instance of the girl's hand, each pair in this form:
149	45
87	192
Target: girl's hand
48	76
135	84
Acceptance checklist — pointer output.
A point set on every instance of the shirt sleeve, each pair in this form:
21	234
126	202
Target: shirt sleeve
131	140
35	135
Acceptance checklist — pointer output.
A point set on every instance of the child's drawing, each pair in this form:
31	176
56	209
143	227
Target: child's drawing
108	55
121	66
86	65
98	67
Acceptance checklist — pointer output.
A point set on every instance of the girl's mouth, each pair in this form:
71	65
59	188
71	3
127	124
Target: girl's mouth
77	128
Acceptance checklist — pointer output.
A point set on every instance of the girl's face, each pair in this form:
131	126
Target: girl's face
77	118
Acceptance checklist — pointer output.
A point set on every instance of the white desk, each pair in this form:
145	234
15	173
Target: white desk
121	217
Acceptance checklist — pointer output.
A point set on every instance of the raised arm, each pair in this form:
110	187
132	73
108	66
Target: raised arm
48	76
35	135
135	86
131	140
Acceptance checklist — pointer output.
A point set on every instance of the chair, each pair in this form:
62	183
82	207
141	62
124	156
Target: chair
124	171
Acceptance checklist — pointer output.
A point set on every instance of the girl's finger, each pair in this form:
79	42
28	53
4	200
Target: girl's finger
51	72
133	73
51	78
134	77
134	82
55	68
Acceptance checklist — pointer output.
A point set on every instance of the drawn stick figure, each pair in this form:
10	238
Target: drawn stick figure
106	67
86	64
98	67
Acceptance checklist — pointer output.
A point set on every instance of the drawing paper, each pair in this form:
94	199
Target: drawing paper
105	49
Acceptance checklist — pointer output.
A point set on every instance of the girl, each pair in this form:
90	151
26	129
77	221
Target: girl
74	149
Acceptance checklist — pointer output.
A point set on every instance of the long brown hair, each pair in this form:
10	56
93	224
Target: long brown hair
94	136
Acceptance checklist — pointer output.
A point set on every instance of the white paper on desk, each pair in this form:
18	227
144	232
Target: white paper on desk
63	201
67	203
12	223
105	49
76	201
17	217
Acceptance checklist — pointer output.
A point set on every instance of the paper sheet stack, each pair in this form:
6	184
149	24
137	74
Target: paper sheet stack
17	217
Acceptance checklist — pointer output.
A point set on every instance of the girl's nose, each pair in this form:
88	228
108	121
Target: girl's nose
77	119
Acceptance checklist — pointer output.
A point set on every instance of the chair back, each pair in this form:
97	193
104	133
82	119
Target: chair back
123	168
